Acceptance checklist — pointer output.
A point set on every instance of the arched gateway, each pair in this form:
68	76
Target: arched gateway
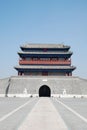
44	91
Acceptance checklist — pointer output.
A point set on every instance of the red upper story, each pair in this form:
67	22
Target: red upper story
45	62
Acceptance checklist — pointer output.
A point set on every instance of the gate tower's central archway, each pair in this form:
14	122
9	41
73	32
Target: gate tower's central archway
44	91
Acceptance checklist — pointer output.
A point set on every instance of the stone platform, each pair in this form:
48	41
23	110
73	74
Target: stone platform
25	86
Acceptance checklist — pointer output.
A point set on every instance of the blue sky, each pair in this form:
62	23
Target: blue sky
42	21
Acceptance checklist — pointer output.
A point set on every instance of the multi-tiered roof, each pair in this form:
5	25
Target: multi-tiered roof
45	59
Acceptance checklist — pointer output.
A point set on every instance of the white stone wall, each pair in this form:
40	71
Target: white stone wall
60	86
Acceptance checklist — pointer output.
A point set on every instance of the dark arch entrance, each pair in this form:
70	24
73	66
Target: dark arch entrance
44	91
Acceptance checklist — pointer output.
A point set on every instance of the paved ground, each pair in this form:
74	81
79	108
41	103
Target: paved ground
44	116
13	111
73	112
50	112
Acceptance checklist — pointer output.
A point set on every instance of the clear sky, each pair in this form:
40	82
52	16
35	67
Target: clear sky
42	21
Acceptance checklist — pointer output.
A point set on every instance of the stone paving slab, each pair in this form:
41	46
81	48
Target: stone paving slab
43	116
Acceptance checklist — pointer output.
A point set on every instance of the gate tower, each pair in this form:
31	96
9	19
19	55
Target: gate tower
45	60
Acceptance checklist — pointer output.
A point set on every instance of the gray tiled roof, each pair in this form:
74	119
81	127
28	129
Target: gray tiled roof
69	52
43	67
44	45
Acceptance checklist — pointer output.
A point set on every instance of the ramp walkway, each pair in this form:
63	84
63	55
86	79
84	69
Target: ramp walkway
43	116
